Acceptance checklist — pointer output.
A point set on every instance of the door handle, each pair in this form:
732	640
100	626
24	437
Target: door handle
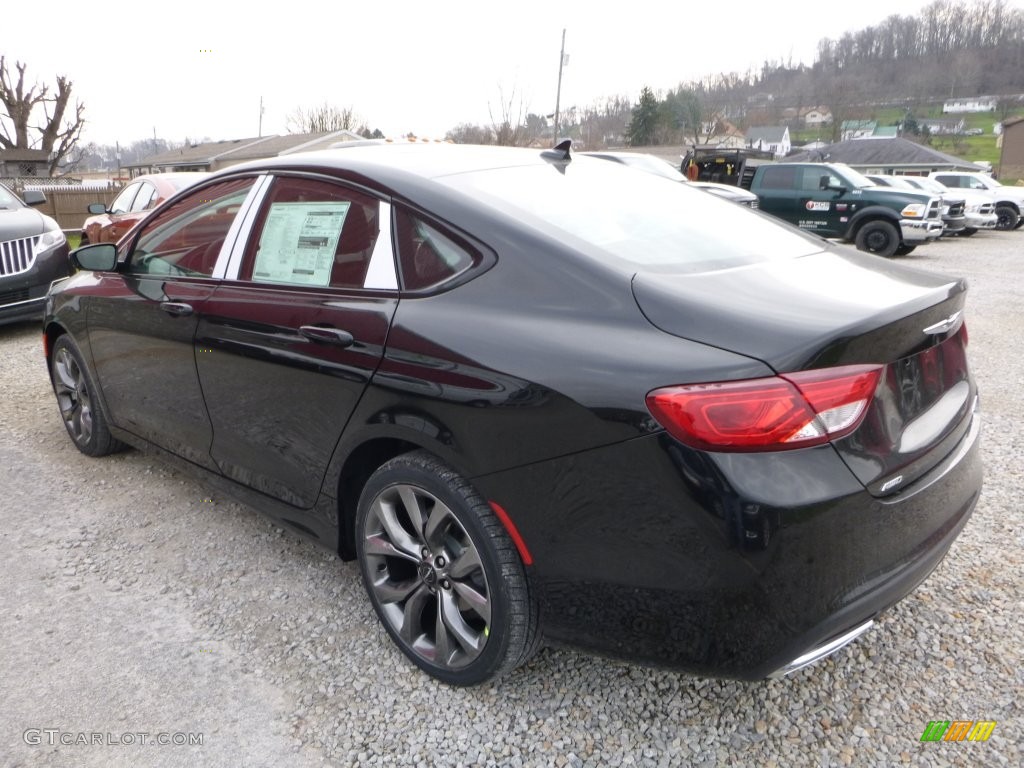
176	308
327	335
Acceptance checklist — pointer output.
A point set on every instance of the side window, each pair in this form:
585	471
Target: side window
779	177
949	181
312	232
185	240
427	255
975	183
123	202
144	198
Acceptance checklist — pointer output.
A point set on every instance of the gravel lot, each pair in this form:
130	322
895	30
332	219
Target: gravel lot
135	603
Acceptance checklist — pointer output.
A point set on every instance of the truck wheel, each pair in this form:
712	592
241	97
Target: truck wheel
1006	218
1020	223
878	237
903	250
968	232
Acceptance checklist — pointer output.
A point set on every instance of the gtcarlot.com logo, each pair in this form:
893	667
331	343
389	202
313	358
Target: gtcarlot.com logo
52	737
958	730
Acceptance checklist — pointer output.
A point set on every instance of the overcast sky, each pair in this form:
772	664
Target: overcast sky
198	69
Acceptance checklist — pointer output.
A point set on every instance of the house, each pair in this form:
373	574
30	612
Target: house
771	138
214	155
943	126
856	129
1011	157
15	163
817	117
886	156
974	104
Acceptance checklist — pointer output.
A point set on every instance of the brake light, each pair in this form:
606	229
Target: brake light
794	410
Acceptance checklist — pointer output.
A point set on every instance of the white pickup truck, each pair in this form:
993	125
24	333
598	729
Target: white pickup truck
1009	200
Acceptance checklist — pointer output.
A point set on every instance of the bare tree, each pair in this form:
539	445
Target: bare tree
510	128
323	118
59	132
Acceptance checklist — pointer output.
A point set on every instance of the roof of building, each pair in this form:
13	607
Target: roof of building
885	152
886	131
197	154
769	133
24	155
858	125
252	148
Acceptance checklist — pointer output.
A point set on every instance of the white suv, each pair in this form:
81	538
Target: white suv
1009	200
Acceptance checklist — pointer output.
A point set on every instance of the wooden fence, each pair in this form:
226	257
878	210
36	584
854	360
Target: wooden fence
70	206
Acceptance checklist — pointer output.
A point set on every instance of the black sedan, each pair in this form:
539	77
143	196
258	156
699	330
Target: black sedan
33	253
537	402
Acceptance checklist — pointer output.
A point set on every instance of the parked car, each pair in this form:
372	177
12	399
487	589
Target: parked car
33	253
979	204
659	167
952	207
1009	200
538	395
108	225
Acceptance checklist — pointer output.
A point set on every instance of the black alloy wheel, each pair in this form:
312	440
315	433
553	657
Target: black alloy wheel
442	574
878	237
1006	218
903	250
76	397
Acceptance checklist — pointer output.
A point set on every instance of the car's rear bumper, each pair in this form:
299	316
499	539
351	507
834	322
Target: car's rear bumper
729	565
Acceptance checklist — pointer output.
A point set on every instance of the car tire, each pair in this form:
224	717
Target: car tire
968	232
1020	223
1006	218
80	409
903	250
878	237
442	573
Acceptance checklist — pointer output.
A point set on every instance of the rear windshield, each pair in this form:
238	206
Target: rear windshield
633	219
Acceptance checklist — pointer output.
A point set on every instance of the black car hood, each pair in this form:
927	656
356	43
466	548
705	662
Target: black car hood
834	307
21	222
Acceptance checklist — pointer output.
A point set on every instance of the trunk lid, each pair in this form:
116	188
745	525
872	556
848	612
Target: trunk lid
834	308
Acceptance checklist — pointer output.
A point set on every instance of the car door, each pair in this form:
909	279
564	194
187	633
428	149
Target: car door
777	191
288	346
142	321
819	209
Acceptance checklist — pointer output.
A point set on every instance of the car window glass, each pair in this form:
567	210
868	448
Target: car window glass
123	202
144	198
428	256
779	177
312	232
185	239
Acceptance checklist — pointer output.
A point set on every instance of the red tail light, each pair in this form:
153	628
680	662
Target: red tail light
779	413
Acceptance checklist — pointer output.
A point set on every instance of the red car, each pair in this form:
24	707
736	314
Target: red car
108	225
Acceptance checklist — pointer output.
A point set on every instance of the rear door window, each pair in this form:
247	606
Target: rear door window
313	232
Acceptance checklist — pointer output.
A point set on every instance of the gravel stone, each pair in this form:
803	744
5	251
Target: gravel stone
225	625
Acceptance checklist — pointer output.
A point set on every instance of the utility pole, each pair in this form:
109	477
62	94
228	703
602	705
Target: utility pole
260	134
558	96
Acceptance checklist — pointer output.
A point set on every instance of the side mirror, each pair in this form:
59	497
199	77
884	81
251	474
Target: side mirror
33	197
99	257
97	208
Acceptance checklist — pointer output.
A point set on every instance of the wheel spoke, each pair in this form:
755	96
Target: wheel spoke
475	600
442	642
470	640
412	506
412	615
465	564
384	510
395	591
379	545
62	366
433	529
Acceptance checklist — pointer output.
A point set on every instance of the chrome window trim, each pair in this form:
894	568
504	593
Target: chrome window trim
382	273
230	259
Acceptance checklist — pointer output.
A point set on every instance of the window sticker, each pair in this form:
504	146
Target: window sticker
298	242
